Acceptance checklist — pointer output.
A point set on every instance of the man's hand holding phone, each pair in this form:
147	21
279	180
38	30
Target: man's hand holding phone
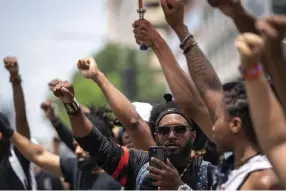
162	171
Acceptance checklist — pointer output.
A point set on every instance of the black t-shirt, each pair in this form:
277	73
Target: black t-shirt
8	178
122	164
48	181
85	180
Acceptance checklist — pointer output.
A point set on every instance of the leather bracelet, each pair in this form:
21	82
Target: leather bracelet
251	72
15	79
185	40
189	48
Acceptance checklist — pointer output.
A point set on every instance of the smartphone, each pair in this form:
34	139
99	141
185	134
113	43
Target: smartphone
157	152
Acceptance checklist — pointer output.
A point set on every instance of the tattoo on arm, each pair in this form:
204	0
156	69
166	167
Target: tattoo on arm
202	71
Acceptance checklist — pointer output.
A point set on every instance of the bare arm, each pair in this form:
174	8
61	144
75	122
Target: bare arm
266	113
273	30
203	75
137	129
244	20
22	124
37	154
269	123
19	102
182	87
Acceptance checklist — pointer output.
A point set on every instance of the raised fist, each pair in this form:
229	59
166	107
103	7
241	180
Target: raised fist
174	12
52	84
227	7
273	29
250	47
49	109
64	91
88	67
145	33
11	65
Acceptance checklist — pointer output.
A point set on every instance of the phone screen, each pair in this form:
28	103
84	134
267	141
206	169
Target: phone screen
157	152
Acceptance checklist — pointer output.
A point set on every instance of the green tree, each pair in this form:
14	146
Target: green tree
128	69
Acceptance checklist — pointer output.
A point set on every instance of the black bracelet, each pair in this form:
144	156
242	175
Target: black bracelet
72	108
189	48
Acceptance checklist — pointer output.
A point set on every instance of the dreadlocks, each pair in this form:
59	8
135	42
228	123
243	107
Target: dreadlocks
101	118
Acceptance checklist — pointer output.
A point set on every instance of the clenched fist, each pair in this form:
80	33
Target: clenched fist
250	47
273	29
88	67
227	7
174	12
11	65
49	109
52	84
145	33
64	91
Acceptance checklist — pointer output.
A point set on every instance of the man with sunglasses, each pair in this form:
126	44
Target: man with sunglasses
125	165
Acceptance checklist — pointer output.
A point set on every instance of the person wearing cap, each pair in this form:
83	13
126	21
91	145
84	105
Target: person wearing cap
133	117
173	131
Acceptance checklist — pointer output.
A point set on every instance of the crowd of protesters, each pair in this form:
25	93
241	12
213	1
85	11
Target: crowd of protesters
212	136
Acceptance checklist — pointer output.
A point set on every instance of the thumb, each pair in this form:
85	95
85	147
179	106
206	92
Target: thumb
66	92
242	48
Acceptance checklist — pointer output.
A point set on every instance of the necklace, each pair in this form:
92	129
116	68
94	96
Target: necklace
185	170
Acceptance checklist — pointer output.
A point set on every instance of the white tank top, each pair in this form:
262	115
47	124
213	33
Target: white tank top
238	176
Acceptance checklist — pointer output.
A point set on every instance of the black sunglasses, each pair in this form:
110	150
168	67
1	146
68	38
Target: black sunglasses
177	129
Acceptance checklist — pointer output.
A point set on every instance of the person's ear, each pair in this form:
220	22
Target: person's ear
193	136
235	125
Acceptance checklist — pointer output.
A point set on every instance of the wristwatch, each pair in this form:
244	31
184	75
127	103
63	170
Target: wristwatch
184	187
72	108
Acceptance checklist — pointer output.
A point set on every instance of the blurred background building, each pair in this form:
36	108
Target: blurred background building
216	33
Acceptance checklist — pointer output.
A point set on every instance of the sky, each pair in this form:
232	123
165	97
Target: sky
47	37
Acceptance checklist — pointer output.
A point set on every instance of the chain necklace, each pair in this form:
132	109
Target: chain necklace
185	170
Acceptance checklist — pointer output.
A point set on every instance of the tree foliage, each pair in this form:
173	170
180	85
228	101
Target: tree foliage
128	69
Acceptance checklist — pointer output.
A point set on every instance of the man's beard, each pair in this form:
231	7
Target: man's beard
176	159
86	163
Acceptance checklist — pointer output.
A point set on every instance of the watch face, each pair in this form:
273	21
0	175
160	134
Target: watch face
184	187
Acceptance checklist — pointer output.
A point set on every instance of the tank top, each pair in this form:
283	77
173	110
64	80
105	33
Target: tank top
238	176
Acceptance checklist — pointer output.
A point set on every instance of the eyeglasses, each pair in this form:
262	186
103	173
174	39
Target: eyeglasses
178	130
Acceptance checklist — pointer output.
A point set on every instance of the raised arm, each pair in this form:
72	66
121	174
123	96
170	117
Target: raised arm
108	154
31	151
273	30
181	85
243	19
201	71
64	133
22	125
137	129
266	112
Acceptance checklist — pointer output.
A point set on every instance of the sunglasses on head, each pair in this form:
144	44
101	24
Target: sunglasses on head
177	129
